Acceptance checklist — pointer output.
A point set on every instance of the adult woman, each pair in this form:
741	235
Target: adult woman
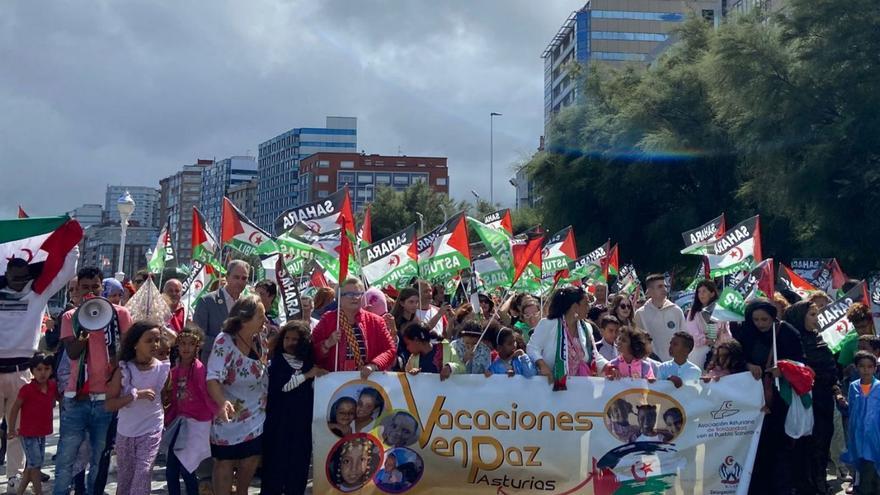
700	324
358	341
622	308
238	380
773	466
804	317
324	299
562	345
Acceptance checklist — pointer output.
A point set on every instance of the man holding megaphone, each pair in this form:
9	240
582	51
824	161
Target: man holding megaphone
90	334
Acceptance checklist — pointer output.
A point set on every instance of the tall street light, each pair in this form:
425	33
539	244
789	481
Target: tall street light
492	156
125	204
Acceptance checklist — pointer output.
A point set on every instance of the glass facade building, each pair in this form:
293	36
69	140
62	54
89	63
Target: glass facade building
279	160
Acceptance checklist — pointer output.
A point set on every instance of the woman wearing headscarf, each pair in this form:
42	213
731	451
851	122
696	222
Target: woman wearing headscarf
804	317
562	345
773	467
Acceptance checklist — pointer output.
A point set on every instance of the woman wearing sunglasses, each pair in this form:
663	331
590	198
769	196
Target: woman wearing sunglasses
622	309
359	341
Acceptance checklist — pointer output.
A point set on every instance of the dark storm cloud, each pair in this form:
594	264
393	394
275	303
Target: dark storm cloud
93	93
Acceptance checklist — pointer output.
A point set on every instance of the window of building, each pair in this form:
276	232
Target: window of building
624	36
641	16
323	179
419	179
619	56
323	194
401	179
324	164
365	178
345	178
708	14
346	164
422	165
401	164
383	179
441	181
380	163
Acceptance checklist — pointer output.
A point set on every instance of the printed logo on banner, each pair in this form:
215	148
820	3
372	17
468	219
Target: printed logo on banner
730	471
724	411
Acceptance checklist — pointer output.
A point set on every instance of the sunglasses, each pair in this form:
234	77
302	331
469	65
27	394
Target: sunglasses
625	306
140	281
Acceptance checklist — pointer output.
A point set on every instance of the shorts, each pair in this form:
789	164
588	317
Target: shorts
34	451
238	451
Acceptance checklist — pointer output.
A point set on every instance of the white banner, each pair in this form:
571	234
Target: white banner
469	434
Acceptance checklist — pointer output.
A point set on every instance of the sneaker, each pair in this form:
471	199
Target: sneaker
12	484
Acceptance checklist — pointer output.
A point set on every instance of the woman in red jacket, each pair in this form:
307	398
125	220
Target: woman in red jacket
360	342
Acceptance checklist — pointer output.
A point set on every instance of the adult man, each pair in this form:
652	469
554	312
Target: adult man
308	307
21	319
434	318
213	308
172	290
82	409
660	317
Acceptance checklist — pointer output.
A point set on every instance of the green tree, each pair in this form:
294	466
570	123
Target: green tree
393	210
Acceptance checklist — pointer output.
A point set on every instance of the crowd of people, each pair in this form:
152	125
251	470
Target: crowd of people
229	392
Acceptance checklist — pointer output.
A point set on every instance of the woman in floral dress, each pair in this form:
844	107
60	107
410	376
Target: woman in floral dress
238	381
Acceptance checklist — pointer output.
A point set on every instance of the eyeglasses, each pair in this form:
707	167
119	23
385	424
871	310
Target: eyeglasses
353	295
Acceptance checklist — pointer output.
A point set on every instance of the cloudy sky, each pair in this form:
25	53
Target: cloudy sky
113	92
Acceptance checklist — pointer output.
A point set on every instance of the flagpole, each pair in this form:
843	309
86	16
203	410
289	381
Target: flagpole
338	313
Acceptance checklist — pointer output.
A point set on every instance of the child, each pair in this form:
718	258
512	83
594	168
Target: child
609	326
647	414
727	359
679	369
511	361
190	404
135	391
342	416
427	355
475	356
389	474
287	440
632	346
863	435
36	400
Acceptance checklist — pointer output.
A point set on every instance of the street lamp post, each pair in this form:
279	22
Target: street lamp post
125	204
492	156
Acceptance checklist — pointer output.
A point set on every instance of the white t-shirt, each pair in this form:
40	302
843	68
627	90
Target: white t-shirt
425	315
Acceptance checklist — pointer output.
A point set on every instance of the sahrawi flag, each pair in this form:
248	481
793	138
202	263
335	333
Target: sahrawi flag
496	240
833	323
163	253
527	250
239	232
737	250
365	234
558	252
445	251
322	216
500	220
393	261
731	305
640	467
43	243
589	266
788	279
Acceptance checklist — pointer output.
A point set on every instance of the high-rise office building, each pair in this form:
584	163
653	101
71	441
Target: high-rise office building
278	163
178	194
323	174
217	179
88	215
244	197
146	200
615	32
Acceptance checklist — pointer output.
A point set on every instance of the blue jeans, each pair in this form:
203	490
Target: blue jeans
79	417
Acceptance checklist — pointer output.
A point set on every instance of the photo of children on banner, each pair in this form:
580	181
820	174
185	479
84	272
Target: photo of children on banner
639	420
400	471
399	429
353	461
356	408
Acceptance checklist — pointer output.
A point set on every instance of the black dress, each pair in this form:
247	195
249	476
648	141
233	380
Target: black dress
772	473
287	432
